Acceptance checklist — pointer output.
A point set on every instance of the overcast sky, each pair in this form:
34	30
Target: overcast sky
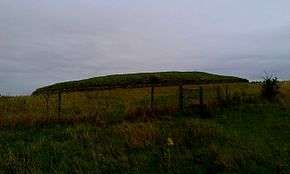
47	41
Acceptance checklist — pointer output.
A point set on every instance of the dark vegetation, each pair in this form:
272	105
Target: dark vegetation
139	80
270	87
114	131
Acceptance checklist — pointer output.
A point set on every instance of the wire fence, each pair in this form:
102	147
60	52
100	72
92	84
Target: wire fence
117	104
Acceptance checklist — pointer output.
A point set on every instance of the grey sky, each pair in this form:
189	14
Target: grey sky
46	41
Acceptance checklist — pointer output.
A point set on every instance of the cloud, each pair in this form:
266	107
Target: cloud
42	42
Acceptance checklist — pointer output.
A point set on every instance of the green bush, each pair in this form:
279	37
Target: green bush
270	87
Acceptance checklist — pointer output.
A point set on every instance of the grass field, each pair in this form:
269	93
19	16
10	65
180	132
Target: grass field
112	131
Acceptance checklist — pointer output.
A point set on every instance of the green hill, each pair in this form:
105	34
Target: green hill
139	80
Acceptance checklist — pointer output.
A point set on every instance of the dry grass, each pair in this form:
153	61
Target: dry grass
121	104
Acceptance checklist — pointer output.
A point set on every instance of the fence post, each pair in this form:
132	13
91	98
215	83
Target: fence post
201	102
47	102
152	98
154	80
181	107
59	103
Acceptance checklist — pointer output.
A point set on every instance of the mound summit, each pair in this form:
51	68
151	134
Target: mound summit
138	80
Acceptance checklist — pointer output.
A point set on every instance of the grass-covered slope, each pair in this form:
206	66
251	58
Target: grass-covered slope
139	80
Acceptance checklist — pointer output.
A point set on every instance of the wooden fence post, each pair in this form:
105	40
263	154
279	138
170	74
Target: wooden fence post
227	93
59	103
201	102
47	102
218	94
181	103
152	98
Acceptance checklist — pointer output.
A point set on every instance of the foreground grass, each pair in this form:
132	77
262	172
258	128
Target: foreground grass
110	132
244	139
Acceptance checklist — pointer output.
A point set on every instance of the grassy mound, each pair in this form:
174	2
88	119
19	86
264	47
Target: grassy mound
139	80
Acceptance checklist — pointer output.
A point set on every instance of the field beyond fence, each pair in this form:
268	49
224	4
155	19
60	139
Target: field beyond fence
123	104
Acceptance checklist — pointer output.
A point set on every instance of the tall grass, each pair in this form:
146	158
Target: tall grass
110	132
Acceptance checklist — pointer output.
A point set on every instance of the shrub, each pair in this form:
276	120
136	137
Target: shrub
270	87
